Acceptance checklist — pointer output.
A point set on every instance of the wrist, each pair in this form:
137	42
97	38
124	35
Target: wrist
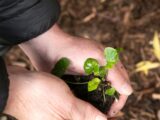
43	50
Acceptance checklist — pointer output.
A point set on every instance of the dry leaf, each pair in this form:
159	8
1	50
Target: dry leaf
90	16
156	45
145	66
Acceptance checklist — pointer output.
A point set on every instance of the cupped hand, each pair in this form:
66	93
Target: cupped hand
41	96
46	49
80	50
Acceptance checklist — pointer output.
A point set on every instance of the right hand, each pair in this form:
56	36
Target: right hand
41	96
47	48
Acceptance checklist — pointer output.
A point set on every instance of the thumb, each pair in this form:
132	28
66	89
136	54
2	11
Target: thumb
82	110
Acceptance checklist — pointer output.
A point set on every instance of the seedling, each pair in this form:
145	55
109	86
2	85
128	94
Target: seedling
97	73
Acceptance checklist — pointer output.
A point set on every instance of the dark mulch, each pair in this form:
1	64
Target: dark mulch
129	24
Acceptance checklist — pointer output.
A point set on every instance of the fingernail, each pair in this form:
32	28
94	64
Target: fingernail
126	89
100	118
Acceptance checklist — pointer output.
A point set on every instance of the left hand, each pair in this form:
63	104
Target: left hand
46	49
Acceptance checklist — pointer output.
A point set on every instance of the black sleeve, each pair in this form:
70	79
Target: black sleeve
21	20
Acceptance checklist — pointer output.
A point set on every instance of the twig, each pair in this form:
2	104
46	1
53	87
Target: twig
90	16
156	96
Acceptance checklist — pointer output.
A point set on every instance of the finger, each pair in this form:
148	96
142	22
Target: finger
117	106
119	80
84	111
123	71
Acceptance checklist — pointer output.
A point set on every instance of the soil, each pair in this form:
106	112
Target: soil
127	24
95	97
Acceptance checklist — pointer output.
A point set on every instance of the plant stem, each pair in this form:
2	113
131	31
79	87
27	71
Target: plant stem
104	96
76	83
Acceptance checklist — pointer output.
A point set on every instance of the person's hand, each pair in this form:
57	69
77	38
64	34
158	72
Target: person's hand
41	96
46	49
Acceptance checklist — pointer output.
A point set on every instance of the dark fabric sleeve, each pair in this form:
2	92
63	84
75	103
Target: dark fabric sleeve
4	85
21	20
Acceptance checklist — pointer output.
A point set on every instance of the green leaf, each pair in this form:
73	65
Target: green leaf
119	50
93	84
111	91
110	65
91	66
102	72
61	67
111	56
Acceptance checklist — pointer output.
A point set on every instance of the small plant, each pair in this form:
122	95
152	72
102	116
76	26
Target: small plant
99	73
96	73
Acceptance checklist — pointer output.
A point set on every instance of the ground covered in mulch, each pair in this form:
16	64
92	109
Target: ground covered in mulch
128	24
